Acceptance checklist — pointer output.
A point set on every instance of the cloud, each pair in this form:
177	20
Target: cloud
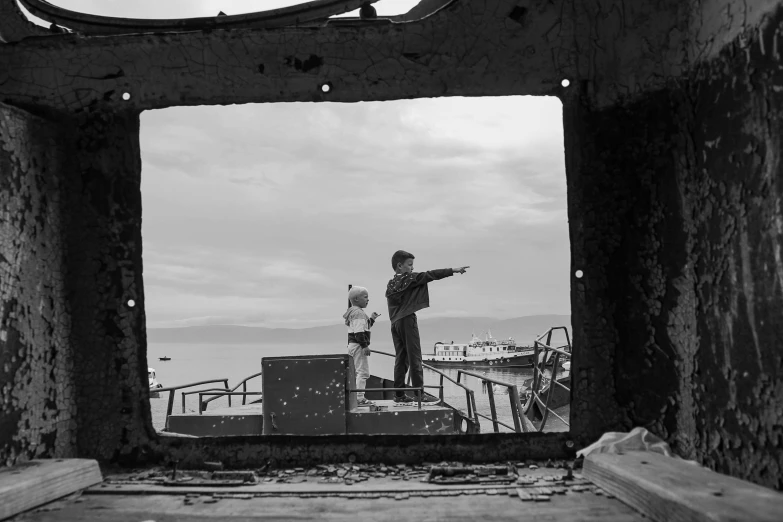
263	206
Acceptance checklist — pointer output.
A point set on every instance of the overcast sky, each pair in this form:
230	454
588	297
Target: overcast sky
263	214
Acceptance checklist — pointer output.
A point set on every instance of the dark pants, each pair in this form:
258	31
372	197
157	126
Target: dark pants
407	350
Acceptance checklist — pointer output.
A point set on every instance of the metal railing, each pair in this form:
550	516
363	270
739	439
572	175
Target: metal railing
542	355
172	391
513	396
244	393
217	393
470	398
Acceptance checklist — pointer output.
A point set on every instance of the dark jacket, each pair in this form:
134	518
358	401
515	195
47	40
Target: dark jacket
407	293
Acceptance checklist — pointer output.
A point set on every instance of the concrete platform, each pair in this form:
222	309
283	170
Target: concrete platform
248	420
220	422
401	419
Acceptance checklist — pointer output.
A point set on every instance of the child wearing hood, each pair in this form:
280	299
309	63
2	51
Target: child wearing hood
359	338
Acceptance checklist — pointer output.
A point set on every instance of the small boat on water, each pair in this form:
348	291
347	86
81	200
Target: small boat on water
488	353
164	358
154	384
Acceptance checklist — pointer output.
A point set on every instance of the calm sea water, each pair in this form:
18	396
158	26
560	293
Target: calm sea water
198	362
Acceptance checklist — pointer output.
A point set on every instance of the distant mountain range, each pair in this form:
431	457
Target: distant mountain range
458	329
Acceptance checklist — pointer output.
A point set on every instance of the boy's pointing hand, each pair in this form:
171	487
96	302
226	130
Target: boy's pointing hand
461	269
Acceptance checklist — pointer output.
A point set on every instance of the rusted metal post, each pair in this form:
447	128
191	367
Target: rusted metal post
491	395
170	407
552	381
475	412
513	397
521	411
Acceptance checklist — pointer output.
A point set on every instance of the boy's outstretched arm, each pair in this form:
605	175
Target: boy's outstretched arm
422	278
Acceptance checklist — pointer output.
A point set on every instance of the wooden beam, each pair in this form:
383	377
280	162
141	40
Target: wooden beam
36	482
668	489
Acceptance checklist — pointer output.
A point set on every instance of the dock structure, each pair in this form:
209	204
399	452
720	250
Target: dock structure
316	395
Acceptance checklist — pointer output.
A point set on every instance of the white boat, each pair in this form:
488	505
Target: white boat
478	353
154	384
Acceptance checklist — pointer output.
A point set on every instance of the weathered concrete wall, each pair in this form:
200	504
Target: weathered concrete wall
108	337
675	197
37	406
732	198
627	239
70	235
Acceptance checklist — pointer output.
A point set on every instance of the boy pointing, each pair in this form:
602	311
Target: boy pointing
406	294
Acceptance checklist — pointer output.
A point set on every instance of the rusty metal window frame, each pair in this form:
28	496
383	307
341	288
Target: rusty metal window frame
471	447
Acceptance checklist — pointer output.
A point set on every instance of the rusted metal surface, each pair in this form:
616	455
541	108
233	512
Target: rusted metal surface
218	422
307	395
37	388
102	25
672	143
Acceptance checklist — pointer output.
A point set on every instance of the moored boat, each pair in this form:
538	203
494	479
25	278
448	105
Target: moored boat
488	353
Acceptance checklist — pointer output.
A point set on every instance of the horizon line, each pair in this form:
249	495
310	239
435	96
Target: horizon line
336	324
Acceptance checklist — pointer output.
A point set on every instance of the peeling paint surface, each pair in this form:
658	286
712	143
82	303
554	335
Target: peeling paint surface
37	407
14	25
108	337
735	192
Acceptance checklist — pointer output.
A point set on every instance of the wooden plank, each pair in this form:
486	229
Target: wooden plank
443	506
670	490
37	482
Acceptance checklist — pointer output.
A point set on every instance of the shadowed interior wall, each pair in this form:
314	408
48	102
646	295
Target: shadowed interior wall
104	273
623	199
678	202
37	396
672	134
734	220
